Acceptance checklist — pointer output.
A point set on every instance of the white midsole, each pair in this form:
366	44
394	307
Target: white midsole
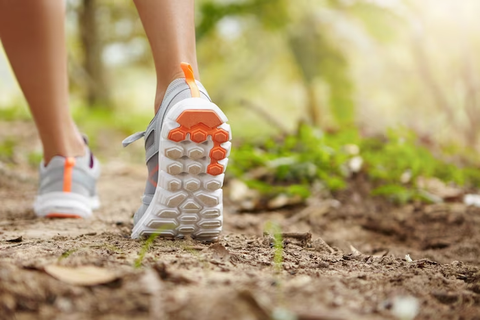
66	203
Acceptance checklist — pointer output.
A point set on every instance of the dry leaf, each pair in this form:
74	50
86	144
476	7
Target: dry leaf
168	275
81	276
472	200
355	164
438	188
18	239
283	200
242	195
279	201
219	251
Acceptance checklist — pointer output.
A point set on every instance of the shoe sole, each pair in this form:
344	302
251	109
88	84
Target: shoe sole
193	150
65	205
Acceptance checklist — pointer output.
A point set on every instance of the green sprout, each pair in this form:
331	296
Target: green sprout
148	243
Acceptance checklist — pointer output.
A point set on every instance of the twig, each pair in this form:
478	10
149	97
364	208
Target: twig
197	248
303	236
355	251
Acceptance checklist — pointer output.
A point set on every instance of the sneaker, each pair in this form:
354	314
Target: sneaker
68	187
187	145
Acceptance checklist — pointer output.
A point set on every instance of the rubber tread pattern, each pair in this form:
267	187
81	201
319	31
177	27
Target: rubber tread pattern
193	151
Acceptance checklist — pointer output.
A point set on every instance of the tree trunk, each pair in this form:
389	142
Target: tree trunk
313	108
97	94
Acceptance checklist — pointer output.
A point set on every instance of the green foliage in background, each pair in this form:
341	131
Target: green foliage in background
292	165
315	46
7	148
14	112
94	122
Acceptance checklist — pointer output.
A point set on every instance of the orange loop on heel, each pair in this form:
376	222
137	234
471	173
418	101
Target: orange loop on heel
190	79
67	174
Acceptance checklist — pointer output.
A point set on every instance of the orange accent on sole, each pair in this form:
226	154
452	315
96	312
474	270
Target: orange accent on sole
200	124
67	174
62	216
190	79
189	118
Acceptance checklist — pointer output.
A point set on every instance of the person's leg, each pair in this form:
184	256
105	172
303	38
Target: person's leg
170	28
32	34
187	142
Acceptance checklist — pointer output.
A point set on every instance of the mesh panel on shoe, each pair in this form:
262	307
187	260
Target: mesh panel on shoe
152	166
150	140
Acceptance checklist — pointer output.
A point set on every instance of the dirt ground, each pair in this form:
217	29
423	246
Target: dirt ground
343	258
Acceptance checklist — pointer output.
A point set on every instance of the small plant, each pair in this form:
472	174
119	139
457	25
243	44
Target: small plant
34	158
66	254
294	164
400	155
144	249
148	243
274	230
94	121
14	112
291	165
7	148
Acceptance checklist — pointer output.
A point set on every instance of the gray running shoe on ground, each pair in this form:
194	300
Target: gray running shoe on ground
187	145
68	187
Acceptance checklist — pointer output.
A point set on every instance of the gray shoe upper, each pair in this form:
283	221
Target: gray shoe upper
177	91
85	173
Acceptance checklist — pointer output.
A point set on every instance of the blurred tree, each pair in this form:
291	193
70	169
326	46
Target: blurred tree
106	33
316	46
311	32
92	44
318	56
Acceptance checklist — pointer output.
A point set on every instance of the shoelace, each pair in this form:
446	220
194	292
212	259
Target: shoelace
132	138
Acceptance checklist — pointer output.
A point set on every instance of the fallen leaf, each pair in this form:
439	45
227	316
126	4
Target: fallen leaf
472	200
81	276
278	202
438	188
219	250
168	275
18	239
283	200
320	245
355	251
355	164
242	195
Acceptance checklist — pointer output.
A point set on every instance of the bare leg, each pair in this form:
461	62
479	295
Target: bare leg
32	33
170	29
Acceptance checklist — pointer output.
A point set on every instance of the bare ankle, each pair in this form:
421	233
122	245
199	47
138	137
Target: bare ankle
66	144
162	85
